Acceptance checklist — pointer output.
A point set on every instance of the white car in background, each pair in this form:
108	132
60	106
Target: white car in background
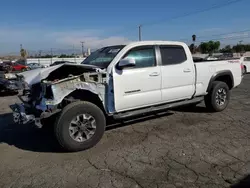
211	58
246	62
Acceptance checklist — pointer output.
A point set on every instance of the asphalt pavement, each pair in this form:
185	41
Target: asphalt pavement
186	147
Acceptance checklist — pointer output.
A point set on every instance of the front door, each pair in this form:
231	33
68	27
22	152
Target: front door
138	86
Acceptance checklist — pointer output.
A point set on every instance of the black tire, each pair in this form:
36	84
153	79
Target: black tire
63	122
210	98
245	70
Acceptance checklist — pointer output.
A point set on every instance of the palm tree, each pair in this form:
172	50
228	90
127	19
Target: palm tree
193	39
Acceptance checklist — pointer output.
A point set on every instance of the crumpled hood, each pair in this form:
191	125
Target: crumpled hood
35	76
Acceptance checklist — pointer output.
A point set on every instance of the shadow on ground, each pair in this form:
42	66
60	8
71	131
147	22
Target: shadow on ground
114	124
28	137
7	93
192	109
243	183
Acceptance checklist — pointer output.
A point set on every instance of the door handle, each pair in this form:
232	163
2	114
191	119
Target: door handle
187	70
155	74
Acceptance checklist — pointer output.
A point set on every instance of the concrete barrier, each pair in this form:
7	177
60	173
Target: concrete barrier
48	61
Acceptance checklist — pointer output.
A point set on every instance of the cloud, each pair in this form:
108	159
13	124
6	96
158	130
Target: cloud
209	30
236	35
42	38
92	41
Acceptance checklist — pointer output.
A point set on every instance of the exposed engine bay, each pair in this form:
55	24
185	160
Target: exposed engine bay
46	91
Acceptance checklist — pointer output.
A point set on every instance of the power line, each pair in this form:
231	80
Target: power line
215	6
232	38
139	32
215	35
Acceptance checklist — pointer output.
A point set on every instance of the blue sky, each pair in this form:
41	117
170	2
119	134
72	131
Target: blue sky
61	24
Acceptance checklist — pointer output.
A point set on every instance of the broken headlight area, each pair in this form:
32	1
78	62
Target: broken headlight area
57	90
47	96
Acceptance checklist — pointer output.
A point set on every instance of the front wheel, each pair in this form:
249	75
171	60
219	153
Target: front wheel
218	97
80	126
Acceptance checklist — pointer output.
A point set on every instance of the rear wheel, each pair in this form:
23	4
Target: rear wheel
218	97
80	126
245	70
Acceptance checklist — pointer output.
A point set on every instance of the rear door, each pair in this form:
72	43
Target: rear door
138	86
178	73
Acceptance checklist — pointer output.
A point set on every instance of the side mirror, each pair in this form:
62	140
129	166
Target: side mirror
126	62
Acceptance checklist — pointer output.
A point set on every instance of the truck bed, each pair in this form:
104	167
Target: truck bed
208	69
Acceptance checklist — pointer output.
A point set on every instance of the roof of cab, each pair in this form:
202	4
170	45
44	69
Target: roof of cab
155	42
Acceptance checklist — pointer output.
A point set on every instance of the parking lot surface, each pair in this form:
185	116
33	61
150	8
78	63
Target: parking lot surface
186	147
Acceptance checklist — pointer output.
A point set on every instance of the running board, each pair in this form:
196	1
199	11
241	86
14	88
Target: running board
124	115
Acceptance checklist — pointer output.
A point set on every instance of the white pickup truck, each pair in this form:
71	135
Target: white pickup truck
121	82
246	63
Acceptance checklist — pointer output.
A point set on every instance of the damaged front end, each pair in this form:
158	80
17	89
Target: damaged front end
48	90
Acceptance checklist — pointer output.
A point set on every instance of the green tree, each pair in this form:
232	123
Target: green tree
194	38
226	49
66	56
238	48
23	53
209	47
204	47
241	48
192	46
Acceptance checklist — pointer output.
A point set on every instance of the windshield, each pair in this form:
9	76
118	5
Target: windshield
103	57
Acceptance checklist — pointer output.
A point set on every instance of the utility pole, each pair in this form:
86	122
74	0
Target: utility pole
74	53
39	53
51	53
82	48
140	32
241	48
21	50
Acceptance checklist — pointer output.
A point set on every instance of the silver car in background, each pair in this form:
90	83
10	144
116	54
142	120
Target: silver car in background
35	66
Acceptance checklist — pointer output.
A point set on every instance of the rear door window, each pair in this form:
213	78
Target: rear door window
172	55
